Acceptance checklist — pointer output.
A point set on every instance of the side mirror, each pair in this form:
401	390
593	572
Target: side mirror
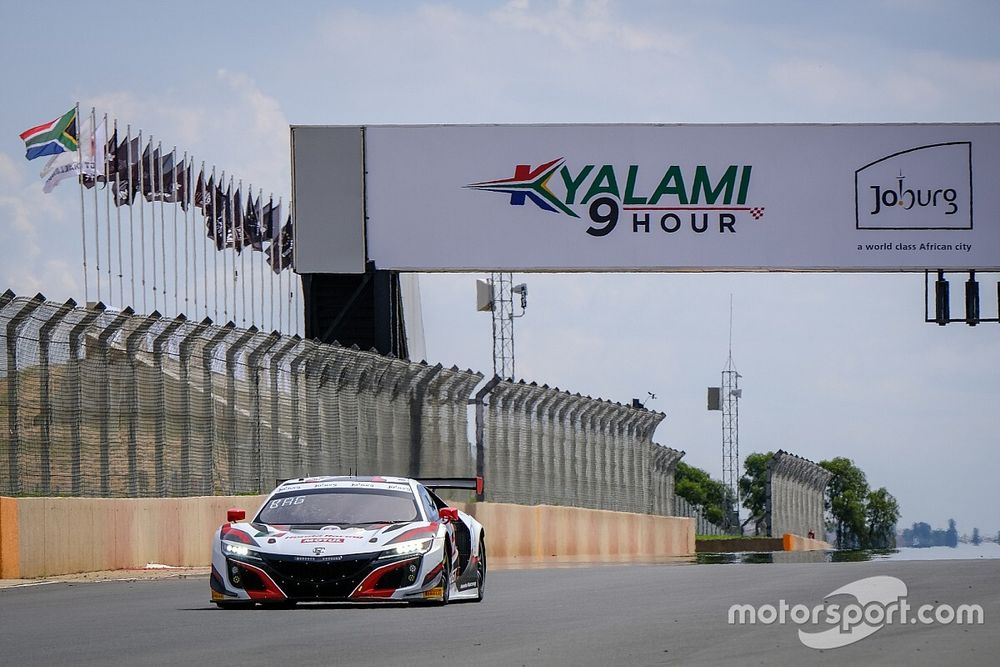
449	513
233	515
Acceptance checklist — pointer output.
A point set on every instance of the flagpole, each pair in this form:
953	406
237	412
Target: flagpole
215	238
274	237
281	287
204	241
187	238
258	213
295	290
158	189
243	262
131	218
107	203
152	213
118	218
142	227
97	213
83	215
173	189
226	208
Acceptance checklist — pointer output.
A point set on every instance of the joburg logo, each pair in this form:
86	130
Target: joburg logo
681	200
928	187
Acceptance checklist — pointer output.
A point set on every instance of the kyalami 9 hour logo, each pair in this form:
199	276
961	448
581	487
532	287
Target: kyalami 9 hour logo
671	200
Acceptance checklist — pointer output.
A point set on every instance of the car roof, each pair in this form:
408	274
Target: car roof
345	481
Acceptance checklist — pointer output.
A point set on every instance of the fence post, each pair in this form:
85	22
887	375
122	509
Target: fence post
14	454
208	355
231	416
184	373
131	342
768	489
542	486
44	381
103	393
417	400
274	447
75	334
315	363
160	425
480	403
253	362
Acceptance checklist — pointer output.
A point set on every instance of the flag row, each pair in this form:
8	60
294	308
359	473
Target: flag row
129	167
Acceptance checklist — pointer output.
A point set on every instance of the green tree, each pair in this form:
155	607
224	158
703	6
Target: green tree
976	539
922	536
753	487
710	496
951	536
882	513
846	496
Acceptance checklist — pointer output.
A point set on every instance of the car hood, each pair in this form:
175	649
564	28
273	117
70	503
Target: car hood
333	540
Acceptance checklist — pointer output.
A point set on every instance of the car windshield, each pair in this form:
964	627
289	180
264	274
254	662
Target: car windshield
340	507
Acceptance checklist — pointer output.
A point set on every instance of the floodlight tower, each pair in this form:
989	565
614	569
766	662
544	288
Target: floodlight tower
497	296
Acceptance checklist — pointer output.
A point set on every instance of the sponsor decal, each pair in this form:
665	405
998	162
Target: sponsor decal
927	187
666	199
330	540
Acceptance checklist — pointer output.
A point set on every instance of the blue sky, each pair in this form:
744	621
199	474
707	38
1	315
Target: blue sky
832	364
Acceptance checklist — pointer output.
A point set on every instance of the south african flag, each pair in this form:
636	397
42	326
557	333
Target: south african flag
56	136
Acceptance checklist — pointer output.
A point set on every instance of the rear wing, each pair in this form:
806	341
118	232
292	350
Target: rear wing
471	483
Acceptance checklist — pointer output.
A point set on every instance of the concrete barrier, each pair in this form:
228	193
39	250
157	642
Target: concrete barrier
51	536
546	534
798	543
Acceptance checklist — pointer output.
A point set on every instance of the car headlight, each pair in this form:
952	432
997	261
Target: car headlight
239	550
411	548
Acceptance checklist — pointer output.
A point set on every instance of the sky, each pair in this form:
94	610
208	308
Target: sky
831	364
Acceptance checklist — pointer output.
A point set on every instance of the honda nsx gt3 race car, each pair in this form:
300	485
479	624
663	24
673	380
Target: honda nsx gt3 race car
360	539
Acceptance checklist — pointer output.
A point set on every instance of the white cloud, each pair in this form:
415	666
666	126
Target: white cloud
821	83
235	126
583	25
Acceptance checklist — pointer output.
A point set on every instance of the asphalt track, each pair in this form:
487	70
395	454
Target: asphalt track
626	615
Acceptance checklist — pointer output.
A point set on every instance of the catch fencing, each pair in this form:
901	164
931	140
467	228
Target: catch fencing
795	491
702	526
113	404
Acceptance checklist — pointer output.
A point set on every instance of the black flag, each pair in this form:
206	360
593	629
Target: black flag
126	161
251	225
279	253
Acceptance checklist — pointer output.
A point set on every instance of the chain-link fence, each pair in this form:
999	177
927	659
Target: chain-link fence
102	403
795	490
545	446
702	526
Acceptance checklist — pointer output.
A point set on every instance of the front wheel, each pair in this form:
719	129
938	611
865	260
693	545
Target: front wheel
234	604
481	571
445	584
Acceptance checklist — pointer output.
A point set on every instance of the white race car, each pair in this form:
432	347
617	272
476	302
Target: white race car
355	539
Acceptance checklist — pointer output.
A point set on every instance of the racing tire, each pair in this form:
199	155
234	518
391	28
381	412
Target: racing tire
235	604
446	584
481	572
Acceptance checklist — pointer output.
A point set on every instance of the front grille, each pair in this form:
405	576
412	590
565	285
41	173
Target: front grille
318	579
